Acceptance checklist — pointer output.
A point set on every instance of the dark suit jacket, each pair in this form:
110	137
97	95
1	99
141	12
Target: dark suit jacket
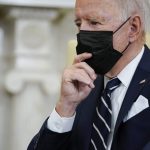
134	134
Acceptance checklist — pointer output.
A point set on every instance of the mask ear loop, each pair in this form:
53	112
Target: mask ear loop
122	25
126	47
119	29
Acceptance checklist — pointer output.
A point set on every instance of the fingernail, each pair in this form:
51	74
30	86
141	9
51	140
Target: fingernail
92	85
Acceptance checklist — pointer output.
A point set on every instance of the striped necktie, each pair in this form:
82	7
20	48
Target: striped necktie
102	120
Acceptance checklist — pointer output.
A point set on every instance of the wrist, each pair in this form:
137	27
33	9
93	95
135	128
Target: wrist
66	109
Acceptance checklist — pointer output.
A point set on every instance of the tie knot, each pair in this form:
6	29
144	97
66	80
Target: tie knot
113	84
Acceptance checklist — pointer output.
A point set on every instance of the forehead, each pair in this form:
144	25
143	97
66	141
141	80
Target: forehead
96	7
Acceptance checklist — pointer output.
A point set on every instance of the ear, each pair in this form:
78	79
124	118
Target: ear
136	28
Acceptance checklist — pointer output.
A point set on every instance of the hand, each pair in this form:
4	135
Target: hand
77	83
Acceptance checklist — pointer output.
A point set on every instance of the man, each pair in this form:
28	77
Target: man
111	43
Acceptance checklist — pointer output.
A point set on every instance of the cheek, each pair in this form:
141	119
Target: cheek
120	41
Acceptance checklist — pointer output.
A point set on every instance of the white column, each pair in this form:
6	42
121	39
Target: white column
39	51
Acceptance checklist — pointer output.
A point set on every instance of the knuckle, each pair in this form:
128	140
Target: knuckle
76	57
92	71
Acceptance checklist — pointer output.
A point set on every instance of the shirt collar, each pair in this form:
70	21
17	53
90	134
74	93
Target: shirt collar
127	73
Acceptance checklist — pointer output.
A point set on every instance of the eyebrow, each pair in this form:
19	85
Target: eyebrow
101	20
77	19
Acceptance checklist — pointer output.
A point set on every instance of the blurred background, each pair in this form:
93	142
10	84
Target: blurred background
35	47
34	42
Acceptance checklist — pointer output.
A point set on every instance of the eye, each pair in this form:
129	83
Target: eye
94	23
77	23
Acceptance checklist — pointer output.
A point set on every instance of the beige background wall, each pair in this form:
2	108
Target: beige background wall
148	39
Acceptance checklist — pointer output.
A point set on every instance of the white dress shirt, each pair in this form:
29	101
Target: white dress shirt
61	125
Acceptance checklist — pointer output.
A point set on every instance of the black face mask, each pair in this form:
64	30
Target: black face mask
100	44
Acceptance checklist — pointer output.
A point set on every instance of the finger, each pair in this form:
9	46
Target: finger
85	88
81	57
87	68
81	76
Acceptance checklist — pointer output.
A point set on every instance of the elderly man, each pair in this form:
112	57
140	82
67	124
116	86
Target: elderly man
105	94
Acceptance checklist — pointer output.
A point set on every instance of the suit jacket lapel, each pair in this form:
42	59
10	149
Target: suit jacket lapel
142	73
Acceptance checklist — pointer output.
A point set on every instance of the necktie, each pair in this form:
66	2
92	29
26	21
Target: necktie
102	120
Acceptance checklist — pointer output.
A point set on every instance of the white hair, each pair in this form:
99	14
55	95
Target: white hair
142	7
